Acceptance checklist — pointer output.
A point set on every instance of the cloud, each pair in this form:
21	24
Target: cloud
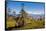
35	12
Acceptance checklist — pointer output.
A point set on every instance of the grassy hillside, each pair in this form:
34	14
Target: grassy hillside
30	23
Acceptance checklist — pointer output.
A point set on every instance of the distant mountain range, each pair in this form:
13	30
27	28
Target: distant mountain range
35	16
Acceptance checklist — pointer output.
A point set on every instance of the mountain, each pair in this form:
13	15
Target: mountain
36	16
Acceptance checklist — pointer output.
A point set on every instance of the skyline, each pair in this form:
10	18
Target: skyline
30	8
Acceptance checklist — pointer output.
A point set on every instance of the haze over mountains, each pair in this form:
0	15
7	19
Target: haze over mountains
35	16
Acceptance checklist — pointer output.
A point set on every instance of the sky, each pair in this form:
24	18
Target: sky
29	7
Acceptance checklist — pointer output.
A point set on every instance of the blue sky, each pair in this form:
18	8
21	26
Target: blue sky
30	8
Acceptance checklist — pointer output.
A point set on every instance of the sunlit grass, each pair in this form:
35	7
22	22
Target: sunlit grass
30	23
10	22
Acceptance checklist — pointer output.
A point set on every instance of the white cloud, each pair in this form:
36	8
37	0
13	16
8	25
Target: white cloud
35	12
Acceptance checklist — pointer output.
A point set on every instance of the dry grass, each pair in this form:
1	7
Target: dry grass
30	23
